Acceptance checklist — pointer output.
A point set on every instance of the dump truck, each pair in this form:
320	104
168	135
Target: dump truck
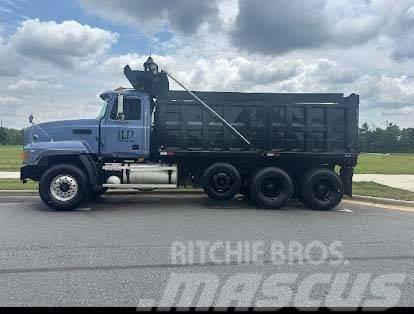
269	147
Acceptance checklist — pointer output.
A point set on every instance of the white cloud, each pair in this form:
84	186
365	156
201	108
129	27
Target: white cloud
408	110
30	76
116	64
25	85
228	11
235	74
63	44
10	64
153	15
331	72
396	89
9	100
399	115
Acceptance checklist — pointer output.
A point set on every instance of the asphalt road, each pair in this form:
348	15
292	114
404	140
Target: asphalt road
118	250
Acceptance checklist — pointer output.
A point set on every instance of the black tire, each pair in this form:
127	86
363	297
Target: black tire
271	188
95	194
321	189
221	181
54	193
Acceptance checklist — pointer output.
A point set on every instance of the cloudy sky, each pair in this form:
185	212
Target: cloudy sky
56	57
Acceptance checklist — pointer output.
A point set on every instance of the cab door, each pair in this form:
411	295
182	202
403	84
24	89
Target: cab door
126	128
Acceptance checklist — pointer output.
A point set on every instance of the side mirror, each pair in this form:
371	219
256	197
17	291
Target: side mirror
120	113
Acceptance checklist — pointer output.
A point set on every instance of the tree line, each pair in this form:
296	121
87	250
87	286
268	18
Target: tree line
11	136
391	139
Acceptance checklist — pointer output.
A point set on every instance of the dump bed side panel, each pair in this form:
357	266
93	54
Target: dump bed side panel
272	122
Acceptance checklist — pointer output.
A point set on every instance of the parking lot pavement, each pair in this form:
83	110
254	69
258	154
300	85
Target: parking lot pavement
118	251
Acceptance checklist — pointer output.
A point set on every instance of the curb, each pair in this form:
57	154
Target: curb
380	200
19	193
366	199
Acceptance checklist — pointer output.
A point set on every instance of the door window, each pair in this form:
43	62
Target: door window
132	109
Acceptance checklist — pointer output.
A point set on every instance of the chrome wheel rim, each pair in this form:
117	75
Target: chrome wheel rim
64	187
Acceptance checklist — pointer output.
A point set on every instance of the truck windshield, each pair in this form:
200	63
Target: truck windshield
103	109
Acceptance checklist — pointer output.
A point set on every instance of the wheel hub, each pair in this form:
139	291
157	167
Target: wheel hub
221	182
323	190
271	188
64	187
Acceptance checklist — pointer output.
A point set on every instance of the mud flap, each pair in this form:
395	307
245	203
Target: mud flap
346	175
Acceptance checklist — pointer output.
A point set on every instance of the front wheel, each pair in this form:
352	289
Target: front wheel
63	187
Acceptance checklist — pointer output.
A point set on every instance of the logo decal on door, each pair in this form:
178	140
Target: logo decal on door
125	135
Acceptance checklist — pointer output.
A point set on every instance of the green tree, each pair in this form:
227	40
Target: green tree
392	139
407	140
364	134
11	136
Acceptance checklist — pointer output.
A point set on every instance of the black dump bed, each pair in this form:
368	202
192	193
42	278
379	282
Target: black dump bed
307	123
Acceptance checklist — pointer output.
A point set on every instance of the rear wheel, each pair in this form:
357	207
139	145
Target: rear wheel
321	189
63	187
271	188
221	181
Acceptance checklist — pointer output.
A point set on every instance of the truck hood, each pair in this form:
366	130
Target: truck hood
65	130
70	123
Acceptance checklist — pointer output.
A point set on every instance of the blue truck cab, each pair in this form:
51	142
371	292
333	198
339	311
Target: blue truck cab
115	133
269	147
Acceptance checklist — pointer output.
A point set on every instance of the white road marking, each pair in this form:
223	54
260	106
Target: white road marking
145	303
346	210
84	209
